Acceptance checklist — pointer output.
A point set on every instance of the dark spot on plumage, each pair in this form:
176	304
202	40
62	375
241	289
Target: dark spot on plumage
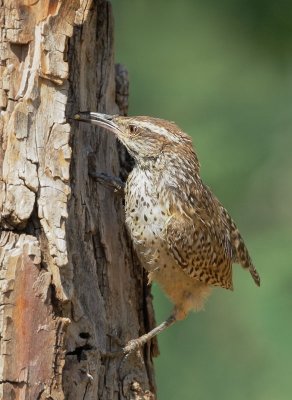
145	218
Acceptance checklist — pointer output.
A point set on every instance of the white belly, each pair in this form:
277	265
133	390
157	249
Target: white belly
146	219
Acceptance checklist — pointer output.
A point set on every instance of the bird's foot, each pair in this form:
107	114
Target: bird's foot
112	182
134	344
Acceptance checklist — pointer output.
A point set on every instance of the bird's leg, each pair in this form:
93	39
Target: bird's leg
112	182
134	344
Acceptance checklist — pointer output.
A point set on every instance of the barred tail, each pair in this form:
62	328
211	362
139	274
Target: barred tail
255	275
240	252
242	255
243	258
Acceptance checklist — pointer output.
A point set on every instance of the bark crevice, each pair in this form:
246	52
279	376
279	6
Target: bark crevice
69	280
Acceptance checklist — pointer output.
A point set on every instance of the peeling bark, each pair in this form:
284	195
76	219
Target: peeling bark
71	289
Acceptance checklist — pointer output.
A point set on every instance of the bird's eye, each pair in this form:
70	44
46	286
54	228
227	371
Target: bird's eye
133	129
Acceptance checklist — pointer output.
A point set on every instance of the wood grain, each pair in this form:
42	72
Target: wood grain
71	288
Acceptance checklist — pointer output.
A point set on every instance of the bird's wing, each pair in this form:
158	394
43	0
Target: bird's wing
199	240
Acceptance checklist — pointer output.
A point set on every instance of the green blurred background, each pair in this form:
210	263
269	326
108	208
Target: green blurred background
222	70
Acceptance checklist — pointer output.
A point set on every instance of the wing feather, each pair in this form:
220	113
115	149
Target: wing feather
199	241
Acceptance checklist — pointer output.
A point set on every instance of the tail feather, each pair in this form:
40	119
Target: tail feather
243	257
240	252
255	275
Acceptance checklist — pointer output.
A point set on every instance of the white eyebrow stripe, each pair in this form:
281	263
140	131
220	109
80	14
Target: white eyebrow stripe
159	130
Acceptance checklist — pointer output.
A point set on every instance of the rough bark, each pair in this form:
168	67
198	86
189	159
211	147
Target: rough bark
71	289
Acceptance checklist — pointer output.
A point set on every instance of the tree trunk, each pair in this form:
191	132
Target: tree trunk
71	289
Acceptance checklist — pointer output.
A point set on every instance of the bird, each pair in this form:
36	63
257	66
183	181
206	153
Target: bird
183	236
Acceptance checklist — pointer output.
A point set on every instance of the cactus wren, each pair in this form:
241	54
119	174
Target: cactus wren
183	236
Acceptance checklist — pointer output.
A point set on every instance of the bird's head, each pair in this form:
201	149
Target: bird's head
144	137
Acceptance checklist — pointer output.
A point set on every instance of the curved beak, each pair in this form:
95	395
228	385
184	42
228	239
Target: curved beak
102	120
